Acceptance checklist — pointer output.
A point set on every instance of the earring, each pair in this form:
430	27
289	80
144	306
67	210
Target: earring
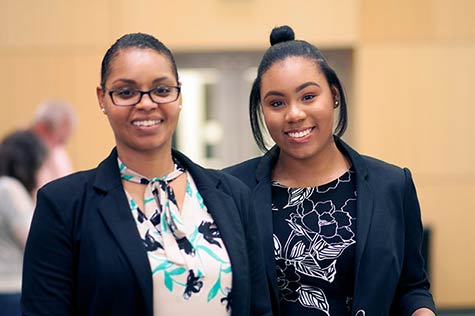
180	106
103	110
336	104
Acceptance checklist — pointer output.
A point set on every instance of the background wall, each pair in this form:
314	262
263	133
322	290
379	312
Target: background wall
413	83
410	85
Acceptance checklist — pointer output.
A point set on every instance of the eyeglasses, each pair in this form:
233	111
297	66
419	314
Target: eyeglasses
131	97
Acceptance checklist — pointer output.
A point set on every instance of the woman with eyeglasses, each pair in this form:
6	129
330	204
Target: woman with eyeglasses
342	232
147	232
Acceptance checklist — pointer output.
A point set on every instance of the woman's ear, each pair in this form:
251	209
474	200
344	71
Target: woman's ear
100	99
180	98
336	96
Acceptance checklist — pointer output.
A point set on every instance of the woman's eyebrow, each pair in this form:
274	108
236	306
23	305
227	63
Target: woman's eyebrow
306	84
273	93
124	80
160	79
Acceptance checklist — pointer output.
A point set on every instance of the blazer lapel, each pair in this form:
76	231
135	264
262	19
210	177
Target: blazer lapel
262	197
223	210
115	211
364	215
219	204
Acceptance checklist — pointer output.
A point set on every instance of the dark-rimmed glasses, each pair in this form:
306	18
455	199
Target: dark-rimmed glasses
131	97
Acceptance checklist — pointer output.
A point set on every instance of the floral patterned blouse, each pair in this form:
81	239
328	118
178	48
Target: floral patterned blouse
314	245
179	289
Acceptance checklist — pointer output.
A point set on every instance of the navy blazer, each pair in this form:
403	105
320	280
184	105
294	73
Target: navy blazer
84	255
389	269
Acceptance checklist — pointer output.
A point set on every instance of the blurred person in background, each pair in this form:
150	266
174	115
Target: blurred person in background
22	154
54	122
342	232
147	232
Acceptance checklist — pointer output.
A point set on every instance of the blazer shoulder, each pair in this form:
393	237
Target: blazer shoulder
70	184
244	171
227	182
370	166
384	172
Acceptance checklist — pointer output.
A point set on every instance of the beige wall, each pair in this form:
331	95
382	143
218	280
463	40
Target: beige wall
412	84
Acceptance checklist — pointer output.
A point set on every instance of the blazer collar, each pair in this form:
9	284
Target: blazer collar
356	159
108	175
202	177
266	164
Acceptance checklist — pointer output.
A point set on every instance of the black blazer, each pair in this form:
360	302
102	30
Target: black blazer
389	269
84	255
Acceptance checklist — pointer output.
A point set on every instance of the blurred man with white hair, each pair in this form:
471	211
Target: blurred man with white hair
54	123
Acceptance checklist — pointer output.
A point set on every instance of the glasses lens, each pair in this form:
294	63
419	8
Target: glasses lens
125	97
164	94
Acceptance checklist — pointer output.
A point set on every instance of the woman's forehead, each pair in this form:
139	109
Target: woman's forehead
139	62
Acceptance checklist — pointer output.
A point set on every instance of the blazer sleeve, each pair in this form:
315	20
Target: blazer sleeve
413	288
47	287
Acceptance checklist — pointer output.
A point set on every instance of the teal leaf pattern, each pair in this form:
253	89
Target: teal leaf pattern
214	290
165	265
200	200
193	237
211	253
178	271
168	282
188	191
163	223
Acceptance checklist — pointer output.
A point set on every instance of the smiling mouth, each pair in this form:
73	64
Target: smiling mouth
146	123
300	134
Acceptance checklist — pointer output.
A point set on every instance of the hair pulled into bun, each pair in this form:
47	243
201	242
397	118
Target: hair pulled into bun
281	34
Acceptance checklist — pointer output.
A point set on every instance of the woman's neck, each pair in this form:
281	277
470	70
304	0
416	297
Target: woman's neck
317	170
149	164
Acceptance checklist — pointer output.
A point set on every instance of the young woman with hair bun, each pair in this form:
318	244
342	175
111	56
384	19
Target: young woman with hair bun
342	232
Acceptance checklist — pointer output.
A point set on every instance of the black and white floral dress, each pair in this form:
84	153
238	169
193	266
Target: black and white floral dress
314	246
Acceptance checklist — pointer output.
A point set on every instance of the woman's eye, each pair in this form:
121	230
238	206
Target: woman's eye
308	97
276	103
125	93
162	91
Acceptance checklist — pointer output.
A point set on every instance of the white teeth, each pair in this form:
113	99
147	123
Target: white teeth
146	123
300	134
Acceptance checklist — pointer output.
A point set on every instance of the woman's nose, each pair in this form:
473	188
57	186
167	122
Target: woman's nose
295	112
146	103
